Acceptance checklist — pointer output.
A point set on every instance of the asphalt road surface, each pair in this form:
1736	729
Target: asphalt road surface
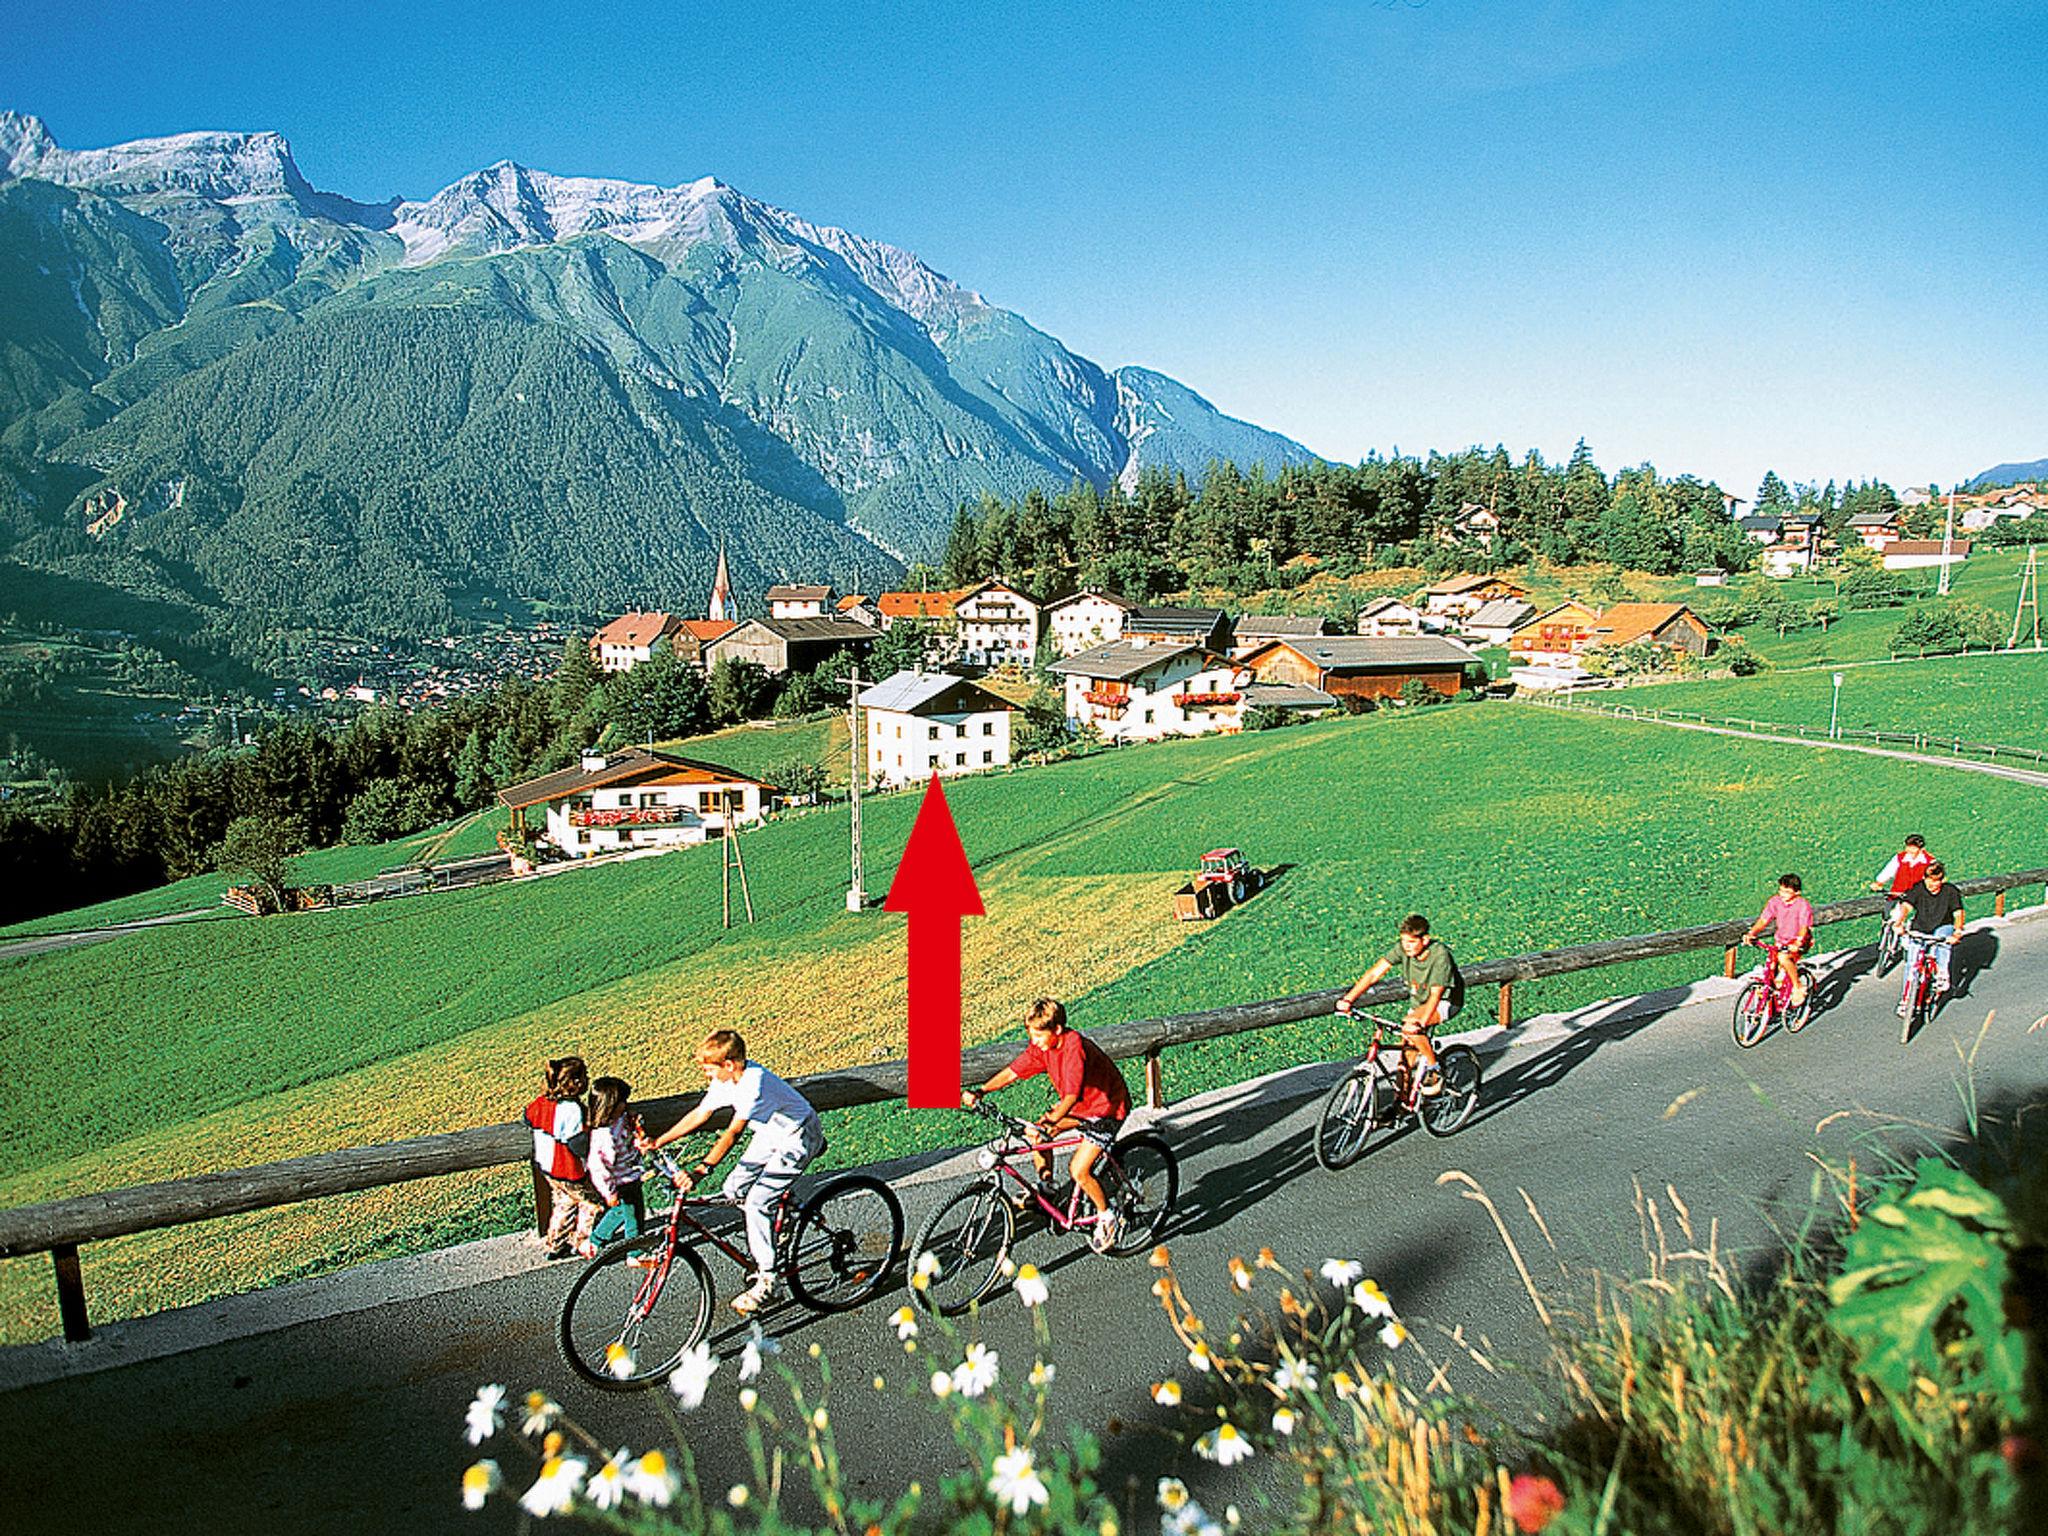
352	1423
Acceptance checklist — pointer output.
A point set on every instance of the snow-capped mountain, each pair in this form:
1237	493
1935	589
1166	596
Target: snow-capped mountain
200	314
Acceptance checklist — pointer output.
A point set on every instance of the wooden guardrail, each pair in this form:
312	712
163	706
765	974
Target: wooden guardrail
1916	741
61	1227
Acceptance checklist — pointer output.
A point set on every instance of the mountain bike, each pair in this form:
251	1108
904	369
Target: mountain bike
1766	999
634	1309
964	1243
1380	1092
1920	982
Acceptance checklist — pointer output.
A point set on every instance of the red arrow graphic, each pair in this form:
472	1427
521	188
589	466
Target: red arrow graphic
934	885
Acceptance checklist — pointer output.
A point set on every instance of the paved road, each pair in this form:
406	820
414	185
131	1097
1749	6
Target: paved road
43	943
350	1424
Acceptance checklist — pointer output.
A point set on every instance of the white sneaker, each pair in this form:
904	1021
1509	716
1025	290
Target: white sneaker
1105	1234
755	1297
1904	1008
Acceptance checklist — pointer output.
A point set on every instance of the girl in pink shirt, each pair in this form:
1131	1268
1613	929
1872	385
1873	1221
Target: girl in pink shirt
1791	916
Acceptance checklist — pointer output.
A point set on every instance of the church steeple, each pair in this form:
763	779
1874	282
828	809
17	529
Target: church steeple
721	590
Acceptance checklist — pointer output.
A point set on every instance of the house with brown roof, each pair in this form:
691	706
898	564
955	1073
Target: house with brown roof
1458	597
1252	630
1876	529
862	610
1389	616
1138	689
631	638
1561	630
798	601
1671	625
695	634
1363	666
634	799
1199	626
1924	554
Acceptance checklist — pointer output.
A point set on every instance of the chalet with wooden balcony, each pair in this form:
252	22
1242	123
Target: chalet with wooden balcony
1137	689
634	799
1363	666
997	626
1458	597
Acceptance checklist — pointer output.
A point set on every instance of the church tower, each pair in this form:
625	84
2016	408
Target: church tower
721	591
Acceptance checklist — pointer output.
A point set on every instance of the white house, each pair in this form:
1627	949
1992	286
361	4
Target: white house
1459	597
861	610
1142	690
1497	620
1923	554
1876	529
2017	507
631	638
1085	620
997	624
1389	616
790	601
1783	560
922	723
635	799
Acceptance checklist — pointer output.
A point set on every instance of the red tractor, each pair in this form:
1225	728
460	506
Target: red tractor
1224	880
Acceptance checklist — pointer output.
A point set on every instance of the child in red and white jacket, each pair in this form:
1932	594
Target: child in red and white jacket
561	1145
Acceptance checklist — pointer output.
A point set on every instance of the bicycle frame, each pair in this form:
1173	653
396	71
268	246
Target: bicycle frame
680	1215
1925	970
1006	1152
1388	1034
1777	988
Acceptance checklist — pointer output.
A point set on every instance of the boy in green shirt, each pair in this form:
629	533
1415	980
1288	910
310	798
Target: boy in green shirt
1435	992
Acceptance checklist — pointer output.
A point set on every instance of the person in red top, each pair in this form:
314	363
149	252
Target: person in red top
1906	870
561	1148
1790	917
1092	1100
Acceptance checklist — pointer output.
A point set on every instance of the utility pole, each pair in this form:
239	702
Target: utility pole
1948	541
734	859
2030	601
856	890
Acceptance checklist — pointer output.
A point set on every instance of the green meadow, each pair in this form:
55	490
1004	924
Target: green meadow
173	1050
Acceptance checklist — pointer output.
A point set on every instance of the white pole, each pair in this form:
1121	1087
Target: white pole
1835	710
856	893
1948	541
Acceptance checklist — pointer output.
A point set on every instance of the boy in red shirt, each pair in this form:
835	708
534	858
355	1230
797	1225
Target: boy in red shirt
1906	870
1092	1100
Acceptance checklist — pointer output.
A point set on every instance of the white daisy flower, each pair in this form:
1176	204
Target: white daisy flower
653	1481
1294	1376
1224	1446
1284	1421
1042	1373
906	1324
1166	1394
540	1413
928	1266
977	1373
737	1495
1341	1272
758	1344
607	1486
1031	1286
618	1360
748	1398
485	1416
1393	1333
554	1491
692	1376
942	1384
1173	1495
1200	1358
480	1482
1371	1300
1240	1274
1014	1483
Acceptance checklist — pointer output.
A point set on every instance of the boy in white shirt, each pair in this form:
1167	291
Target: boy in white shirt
786	1137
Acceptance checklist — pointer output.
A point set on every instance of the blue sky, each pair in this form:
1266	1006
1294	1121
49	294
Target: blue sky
1810	237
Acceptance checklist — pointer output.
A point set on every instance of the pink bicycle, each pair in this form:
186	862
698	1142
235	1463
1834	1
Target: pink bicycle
1766	999
964	1243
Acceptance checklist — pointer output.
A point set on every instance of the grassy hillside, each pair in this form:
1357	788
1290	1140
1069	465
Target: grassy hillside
1991	579
1979	698
1516	829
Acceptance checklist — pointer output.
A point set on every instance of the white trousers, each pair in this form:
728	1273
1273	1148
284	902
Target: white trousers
760	1180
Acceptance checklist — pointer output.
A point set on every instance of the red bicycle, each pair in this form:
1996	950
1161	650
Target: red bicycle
1381	1090
1921	976
1766	999
964	1243
635	1308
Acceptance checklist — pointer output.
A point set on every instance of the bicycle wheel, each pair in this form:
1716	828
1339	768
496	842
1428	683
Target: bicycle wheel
1351	1113
1443	1113
1916	1006
653	1315
967	1238
1752	1014
1141	1181
1888	944
844	1243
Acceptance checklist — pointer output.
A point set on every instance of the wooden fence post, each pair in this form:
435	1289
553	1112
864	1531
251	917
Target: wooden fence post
544	1199
1155	1080
1998	905
70	1294
1729	970
1507	1004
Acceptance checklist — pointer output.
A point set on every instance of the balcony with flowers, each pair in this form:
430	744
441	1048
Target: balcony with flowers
1217	699
1111	699
630	816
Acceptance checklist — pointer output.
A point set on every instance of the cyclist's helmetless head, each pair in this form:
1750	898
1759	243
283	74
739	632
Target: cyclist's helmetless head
1414	934
1937	876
